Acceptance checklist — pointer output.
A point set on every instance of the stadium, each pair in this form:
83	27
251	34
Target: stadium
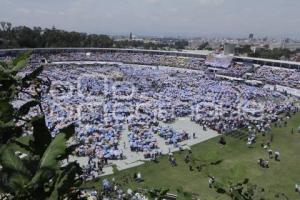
199	125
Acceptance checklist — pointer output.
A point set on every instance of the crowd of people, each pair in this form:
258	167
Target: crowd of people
267	74
134	58
224	64
278	76
171	135
102	99
106	100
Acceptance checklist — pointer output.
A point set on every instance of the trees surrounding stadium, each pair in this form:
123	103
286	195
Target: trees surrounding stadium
203	46
22	36
276	53
36	37
31	166
243	49
144	45
181	44
272	54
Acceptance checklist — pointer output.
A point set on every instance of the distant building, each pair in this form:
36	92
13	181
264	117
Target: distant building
287	40
290	45
130	36
229	49
276	45
251	36
265	39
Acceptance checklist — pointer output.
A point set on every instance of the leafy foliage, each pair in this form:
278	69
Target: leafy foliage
12	165
36	172
41	135
22	36
24	109
272	54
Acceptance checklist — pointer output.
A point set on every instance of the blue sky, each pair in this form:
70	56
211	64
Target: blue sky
274	18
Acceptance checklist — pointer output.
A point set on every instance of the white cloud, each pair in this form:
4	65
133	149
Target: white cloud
23	11
153	1
210	2
157	17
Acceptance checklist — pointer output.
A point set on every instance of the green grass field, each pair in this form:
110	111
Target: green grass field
236	162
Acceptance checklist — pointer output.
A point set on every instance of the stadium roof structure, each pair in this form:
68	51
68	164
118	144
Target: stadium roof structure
268	60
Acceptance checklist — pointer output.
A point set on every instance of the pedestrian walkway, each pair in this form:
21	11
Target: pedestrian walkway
133	159
185	124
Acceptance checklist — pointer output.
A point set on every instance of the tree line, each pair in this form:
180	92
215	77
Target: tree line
162	45
36	37
265	52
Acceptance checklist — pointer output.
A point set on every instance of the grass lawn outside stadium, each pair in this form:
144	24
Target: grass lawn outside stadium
236	162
